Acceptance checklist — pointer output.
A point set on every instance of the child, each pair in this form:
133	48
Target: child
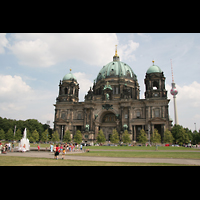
38	147
63	154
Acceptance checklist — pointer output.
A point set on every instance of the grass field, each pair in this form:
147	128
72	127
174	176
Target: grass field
25	161
127	147
131	154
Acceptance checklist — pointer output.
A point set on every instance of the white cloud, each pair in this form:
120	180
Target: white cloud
46	49
3	42
84	84
20	101
13	88
188	103
126	51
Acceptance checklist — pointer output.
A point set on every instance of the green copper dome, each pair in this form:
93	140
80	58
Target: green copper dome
116	69
154	69
69	76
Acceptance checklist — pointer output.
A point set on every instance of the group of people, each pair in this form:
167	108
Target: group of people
4	148
64	148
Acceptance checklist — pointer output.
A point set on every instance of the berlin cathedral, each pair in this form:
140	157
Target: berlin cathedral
113	103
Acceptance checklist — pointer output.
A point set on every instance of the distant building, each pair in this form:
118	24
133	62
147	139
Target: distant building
113	102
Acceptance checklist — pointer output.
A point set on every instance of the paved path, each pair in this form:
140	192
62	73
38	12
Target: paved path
106	159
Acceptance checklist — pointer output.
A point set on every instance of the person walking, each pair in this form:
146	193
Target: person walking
57	152
51	147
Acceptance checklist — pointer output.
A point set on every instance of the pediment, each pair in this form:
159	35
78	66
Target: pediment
60	120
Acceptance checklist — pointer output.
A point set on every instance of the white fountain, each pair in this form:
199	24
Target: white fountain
24	143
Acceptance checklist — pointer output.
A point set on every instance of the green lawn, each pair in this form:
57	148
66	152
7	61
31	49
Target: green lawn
25	161
132	154
127	147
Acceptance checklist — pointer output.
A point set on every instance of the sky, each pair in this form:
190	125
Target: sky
32	65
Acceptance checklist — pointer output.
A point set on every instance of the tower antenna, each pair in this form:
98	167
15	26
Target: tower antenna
174	92
172	71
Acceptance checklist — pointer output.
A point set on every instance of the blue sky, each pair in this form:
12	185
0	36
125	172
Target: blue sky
32	64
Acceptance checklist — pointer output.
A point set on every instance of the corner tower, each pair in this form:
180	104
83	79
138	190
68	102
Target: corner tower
68	89
155	83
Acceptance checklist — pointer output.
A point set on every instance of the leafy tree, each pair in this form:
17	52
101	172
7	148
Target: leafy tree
78	137
55	136
189	133
126	137
195	137
142	137
35	136
31	139
155	138
9	135
114	137
18	134
168	137
2	134
67	136
101	137
44	136
179	134
28	134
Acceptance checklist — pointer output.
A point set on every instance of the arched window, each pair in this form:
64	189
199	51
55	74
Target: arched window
109	118
66	90
155	85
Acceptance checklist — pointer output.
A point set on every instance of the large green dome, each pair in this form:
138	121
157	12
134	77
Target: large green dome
154	69
116	69
69	76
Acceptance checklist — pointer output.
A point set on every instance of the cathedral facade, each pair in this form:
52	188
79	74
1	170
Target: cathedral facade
113	103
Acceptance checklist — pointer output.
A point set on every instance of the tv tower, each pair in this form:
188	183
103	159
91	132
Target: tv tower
174	92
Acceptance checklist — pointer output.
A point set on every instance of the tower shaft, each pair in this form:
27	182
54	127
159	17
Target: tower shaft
175	110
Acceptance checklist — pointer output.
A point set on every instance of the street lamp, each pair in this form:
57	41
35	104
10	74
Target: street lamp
195	126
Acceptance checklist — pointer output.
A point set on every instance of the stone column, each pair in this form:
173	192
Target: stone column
134	132
122	121
91	118
84	117
129	118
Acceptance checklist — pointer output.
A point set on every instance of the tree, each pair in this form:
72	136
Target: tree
168	137
78	137
67	136
2	134
18	134
155	138
55	136
9	135
179	134
35	136
196	137
101	137
114	137
44	136
142	137
182	137
126	137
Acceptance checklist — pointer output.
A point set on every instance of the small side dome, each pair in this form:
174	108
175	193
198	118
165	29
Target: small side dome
69	76
154	69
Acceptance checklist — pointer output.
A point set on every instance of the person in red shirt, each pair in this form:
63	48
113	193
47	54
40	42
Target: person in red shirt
38	147
57	152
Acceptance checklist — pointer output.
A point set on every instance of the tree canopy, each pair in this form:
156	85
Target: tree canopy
142	137
101	137
31	125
